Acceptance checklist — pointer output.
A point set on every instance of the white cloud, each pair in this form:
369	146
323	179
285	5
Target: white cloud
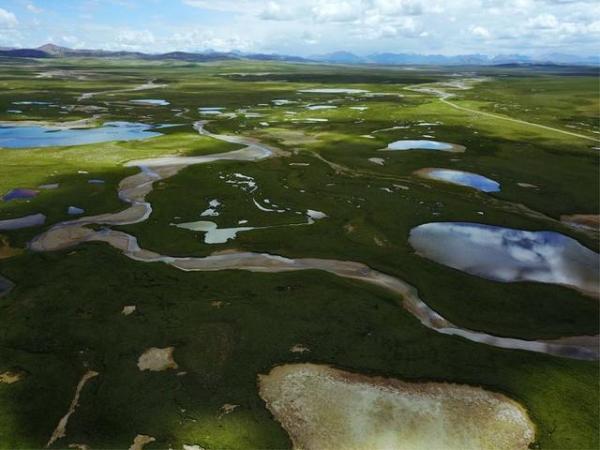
310	38
278	11
398	7
34	9
134	39
71	41
336	11
480	32
237	6
307	27
7	19
202	39
543	21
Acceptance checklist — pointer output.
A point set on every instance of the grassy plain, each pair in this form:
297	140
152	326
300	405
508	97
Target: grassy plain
64	316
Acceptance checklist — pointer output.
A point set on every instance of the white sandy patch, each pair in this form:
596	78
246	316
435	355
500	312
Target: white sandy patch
157	359
80	446
397	127
192	447
324	408
227	408
299	348
212	209
264	208
127	310
311	120
318	107
49	186
282	101
315	214
140	441
61	428
10	377
244	182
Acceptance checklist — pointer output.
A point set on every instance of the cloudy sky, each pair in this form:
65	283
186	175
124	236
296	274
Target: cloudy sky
307	27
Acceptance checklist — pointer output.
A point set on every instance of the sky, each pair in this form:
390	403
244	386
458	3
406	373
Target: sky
308	27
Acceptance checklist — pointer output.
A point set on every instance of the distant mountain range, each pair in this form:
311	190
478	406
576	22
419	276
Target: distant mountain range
340	57
55	51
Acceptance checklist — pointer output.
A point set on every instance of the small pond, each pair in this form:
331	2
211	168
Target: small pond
333	91
461	178
19	194
150	102
425	145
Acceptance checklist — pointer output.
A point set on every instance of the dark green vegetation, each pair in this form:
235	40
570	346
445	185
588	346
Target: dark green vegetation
65	312
70	314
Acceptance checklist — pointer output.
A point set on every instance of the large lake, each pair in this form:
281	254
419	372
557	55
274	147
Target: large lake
509	255
46	136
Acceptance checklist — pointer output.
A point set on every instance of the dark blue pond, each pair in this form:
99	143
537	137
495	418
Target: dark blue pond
19	194
41	136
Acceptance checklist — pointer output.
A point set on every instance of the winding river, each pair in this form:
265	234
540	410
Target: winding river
135	188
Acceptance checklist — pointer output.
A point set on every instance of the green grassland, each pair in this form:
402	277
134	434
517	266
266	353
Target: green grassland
64	315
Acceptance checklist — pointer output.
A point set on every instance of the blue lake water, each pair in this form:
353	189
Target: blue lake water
461	178
509	255
42	136
150	101
75	211
19	194
420	145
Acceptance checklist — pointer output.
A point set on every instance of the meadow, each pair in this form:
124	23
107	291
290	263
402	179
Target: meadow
64	314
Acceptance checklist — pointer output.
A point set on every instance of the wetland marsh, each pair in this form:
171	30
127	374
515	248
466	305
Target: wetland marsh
199	287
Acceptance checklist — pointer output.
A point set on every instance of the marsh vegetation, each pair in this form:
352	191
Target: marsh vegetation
473	269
